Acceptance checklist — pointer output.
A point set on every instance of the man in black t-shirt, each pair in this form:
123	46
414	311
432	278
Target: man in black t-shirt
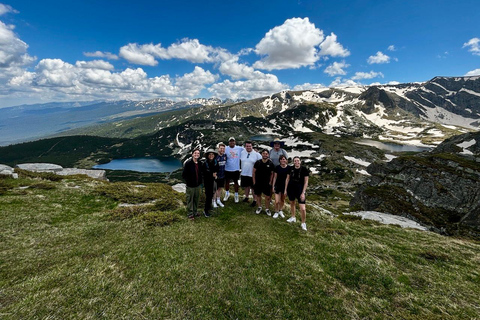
263	171
296	187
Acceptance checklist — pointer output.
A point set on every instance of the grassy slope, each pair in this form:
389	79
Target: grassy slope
63	257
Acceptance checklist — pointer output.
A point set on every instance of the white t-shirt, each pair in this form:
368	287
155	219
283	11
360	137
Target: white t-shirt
233	158
248	160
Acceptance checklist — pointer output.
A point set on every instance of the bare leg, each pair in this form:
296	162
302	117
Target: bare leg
292	208
303	212
267	202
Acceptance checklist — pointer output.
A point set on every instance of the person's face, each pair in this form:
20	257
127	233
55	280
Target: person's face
283	161
265	155
276	146
221	150
231	143
211	156
297	162
248	147
196	154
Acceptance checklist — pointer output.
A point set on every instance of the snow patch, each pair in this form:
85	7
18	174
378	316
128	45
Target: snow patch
357	161
387	218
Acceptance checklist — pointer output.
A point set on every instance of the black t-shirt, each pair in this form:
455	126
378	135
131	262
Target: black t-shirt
282	174
263	171
297	176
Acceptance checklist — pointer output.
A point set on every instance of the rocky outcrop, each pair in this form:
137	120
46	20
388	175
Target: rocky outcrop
7	171
55	168
439	189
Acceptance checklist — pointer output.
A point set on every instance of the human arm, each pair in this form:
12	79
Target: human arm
305	185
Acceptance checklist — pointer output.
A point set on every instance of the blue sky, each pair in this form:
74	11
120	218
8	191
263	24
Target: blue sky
91	50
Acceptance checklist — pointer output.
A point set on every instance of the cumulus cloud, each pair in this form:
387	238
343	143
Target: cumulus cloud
332	48
367	75
100	54
95	64
308	86
475	72
248	89
142	55
339	82
379	57
5	8
291	45
336	68
13	51
391	48
473	46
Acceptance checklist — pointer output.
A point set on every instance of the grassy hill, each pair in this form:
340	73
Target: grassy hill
67	251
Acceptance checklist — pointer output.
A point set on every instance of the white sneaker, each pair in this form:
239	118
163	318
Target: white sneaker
220	204
214	204
259	209
275	216
280	213
267	211
292	219
304	226
236	197
227	195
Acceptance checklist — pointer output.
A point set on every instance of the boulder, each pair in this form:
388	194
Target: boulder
7	171
95	174
40	167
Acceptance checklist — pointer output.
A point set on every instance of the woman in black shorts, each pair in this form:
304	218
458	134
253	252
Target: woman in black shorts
295	188
281	173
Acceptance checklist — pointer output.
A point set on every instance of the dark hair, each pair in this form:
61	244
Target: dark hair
298	158
248	141
282	157
196	149
264	150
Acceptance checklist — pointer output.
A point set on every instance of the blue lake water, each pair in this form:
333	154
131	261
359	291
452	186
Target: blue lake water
143	164
392	147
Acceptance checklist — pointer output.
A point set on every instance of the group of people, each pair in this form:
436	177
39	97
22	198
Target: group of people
262	174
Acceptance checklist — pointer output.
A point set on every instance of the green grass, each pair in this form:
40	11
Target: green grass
63	255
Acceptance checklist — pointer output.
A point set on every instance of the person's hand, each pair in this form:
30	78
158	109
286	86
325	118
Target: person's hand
302	196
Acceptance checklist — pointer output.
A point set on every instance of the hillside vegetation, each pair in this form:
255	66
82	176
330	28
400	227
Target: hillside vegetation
79	255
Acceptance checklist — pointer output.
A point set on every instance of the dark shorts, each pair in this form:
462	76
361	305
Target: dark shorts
264	188
294	192
246	181
220	183
279	189
232	175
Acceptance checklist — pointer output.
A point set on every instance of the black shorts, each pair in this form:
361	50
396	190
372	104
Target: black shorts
232	175
279	188
264	188
294	192
246	181
220	183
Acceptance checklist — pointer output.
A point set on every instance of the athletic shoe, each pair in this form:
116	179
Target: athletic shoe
253	204
245	200
236	197
267	211
227	195
280	213
220	204
214	204
304	226
275	216
259	209
292	219
206	214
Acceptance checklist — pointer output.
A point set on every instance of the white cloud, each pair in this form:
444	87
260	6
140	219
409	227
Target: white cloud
367	75
13	51
475	72
339	82
332	48
336	68
291	45
95	64
100	54
378	58
192	83
5	8
248	89
308	86
473	46
391	48
142	55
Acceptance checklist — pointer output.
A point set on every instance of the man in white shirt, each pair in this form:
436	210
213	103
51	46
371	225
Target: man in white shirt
232	167
248	158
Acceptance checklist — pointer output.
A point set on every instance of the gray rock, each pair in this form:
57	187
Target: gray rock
95	174
40	167
6	170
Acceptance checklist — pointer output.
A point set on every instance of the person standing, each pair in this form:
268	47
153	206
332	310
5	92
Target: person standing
209	171
232	167
262	181
277	151
221	160
192	174
295	188
248	159
279	178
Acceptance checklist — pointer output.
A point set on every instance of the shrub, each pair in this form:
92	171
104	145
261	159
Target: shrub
132	192
41	175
